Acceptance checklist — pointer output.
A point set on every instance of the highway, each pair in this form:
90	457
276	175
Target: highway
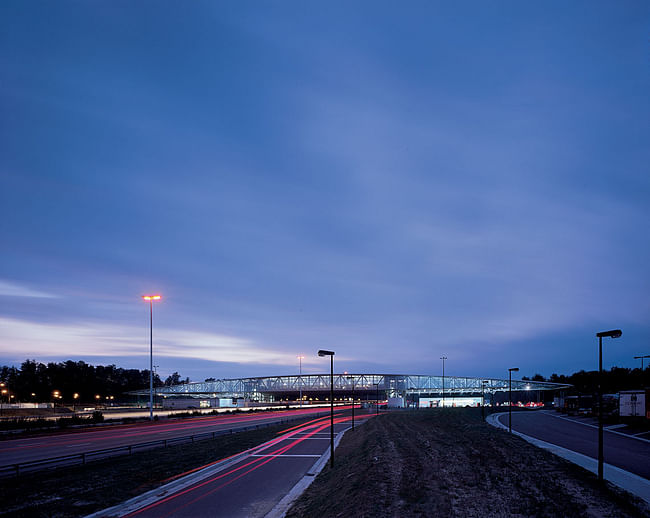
75	442
253	485
581	435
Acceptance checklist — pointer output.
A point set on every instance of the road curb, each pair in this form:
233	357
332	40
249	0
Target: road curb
635	484
283	506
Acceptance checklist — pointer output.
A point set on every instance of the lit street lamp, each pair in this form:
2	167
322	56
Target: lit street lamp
510	371
331	355
300	380
151	298
614	333
55	395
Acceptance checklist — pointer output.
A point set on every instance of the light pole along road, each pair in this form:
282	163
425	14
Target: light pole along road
151	298
614	333
323	352
510	371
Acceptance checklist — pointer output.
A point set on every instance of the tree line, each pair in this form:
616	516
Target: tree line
614	380
39	382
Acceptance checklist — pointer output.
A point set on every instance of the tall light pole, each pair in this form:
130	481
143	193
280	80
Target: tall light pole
641	358
510	371
483	383
351	379
331	355
300	380
151	298
443	358
614	333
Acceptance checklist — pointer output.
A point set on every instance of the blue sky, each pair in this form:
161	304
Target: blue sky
392	182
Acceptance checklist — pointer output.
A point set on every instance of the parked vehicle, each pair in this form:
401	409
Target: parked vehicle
579	405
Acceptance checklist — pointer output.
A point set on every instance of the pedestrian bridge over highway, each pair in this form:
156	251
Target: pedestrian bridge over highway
272	388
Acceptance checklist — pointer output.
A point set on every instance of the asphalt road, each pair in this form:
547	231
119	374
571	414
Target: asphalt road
254	485
46	446
624	451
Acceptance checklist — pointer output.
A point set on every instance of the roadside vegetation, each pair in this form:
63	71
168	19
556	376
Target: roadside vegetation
81	490
450	463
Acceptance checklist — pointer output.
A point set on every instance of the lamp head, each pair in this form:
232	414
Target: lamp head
614	333
323	352
514	369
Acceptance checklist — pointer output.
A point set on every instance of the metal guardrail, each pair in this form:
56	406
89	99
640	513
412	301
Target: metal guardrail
16	469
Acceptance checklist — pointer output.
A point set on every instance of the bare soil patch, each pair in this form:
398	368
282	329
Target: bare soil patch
450	463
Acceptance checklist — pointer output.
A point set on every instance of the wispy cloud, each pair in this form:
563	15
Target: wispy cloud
10	289
88	340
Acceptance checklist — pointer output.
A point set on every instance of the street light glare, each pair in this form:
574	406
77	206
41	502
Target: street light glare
151	297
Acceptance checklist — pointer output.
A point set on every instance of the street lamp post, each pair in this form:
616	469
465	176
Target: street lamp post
300	380
351	378
151	298
483	383
4	391
331	355
55	395
443	358
510	371
377	409
614	333
641	358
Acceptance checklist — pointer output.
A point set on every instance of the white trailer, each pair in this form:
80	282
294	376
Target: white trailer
634	403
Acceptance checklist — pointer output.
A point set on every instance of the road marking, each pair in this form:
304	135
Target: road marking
595	426
81	444
614	426
308	438
640	433
284	455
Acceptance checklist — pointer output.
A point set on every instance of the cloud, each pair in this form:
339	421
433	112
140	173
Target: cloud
21	337
10	289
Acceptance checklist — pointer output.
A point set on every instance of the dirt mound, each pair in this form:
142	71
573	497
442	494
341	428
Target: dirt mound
450	463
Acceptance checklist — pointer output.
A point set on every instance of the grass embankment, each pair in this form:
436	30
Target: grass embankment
450	463
81	490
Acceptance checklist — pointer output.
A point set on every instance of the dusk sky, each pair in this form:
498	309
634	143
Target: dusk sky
391	181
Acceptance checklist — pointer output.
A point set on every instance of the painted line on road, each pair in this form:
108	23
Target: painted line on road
310	438
615	426
281	508
637	434
596	427
285	455
617	476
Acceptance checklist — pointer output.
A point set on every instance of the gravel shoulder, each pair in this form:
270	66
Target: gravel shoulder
451	463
